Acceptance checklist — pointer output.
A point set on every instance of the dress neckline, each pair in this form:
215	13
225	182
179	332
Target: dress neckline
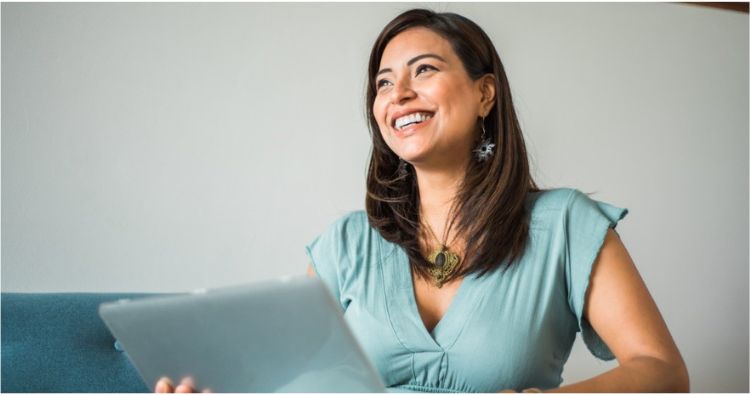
455	287
402	307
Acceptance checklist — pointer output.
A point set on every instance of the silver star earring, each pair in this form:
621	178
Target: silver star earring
485	149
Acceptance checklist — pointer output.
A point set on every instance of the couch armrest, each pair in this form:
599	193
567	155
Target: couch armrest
56	342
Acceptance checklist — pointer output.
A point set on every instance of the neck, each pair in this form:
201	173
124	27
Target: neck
438	189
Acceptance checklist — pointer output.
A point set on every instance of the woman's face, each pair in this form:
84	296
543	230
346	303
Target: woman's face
426	105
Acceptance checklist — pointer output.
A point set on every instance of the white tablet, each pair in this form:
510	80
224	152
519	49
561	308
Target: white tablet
286	335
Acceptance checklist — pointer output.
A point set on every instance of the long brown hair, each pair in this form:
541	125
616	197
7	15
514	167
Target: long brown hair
490	203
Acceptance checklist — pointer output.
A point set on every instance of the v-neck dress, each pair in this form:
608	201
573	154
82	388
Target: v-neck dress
511	329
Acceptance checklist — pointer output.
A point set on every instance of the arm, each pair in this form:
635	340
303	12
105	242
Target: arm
621	310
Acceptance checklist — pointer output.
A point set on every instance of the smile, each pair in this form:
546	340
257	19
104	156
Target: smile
412	119
409	127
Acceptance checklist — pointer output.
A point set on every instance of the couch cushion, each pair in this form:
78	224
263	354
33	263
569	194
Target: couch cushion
56	342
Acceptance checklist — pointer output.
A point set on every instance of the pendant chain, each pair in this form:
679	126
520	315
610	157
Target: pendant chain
444	261
443	244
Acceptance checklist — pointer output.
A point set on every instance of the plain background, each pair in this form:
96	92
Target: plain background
165	147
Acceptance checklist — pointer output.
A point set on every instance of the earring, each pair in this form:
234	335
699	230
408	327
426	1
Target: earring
485	149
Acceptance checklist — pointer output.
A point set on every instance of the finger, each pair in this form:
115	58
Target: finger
206	391
164	385
183	389
186	386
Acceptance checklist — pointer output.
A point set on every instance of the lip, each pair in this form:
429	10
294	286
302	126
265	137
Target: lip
398	114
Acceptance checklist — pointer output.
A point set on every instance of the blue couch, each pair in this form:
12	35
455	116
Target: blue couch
56	342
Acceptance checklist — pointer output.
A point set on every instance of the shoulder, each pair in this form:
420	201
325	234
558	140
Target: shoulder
334	250
552	198
563	206
559	199
551	202
347	230
353	223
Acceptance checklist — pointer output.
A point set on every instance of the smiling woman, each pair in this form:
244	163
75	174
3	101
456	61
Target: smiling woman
462	275
420	71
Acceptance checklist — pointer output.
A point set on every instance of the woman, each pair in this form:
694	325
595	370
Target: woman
462	275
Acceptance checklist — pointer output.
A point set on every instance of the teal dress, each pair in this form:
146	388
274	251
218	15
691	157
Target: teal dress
505	330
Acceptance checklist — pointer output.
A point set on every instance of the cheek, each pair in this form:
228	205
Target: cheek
448	97
378	111
458	102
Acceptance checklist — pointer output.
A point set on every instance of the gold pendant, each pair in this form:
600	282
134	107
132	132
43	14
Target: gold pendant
444	263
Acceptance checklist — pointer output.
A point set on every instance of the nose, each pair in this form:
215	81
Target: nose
402	91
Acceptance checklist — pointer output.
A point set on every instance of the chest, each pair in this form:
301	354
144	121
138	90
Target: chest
476	334
433	302
470	335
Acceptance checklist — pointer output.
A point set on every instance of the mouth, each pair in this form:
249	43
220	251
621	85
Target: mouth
412	120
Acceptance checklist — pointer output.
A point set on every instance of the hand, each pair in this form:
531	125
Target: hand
165	385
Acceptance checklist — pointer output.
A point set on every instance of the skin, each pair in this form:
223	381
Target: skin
165	385
618	305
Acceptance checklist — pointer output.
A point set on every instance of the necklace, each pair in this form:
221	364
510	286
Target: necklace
444	261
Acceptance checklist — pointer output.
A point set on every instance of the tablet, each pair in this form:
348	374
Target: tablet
285	335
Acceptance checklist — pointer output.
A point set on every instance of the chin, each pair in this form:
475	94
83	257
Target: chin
413	155
414	160
410	156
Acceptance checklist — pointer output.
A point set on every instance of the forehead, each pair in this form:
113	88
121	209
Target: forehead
415	41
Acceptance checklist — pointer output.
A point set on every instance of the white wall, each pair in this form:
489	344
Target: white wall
164	147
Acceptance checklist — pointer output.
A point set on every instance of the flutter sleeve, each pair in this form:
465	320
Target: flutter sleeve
586	225
329	255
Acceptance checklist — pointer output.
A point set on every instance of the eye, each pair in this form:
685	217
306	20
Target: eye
424	67
381	83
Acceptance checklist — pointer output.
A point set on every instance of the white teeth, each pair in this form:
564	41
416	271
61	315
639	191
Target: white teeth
412	118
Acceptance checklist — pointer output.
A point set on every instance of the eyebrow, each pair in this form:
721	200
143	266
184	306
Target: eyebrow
415	59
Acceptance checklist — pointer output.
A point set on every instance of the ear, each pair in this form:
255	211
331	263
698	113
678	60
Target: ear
486	85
